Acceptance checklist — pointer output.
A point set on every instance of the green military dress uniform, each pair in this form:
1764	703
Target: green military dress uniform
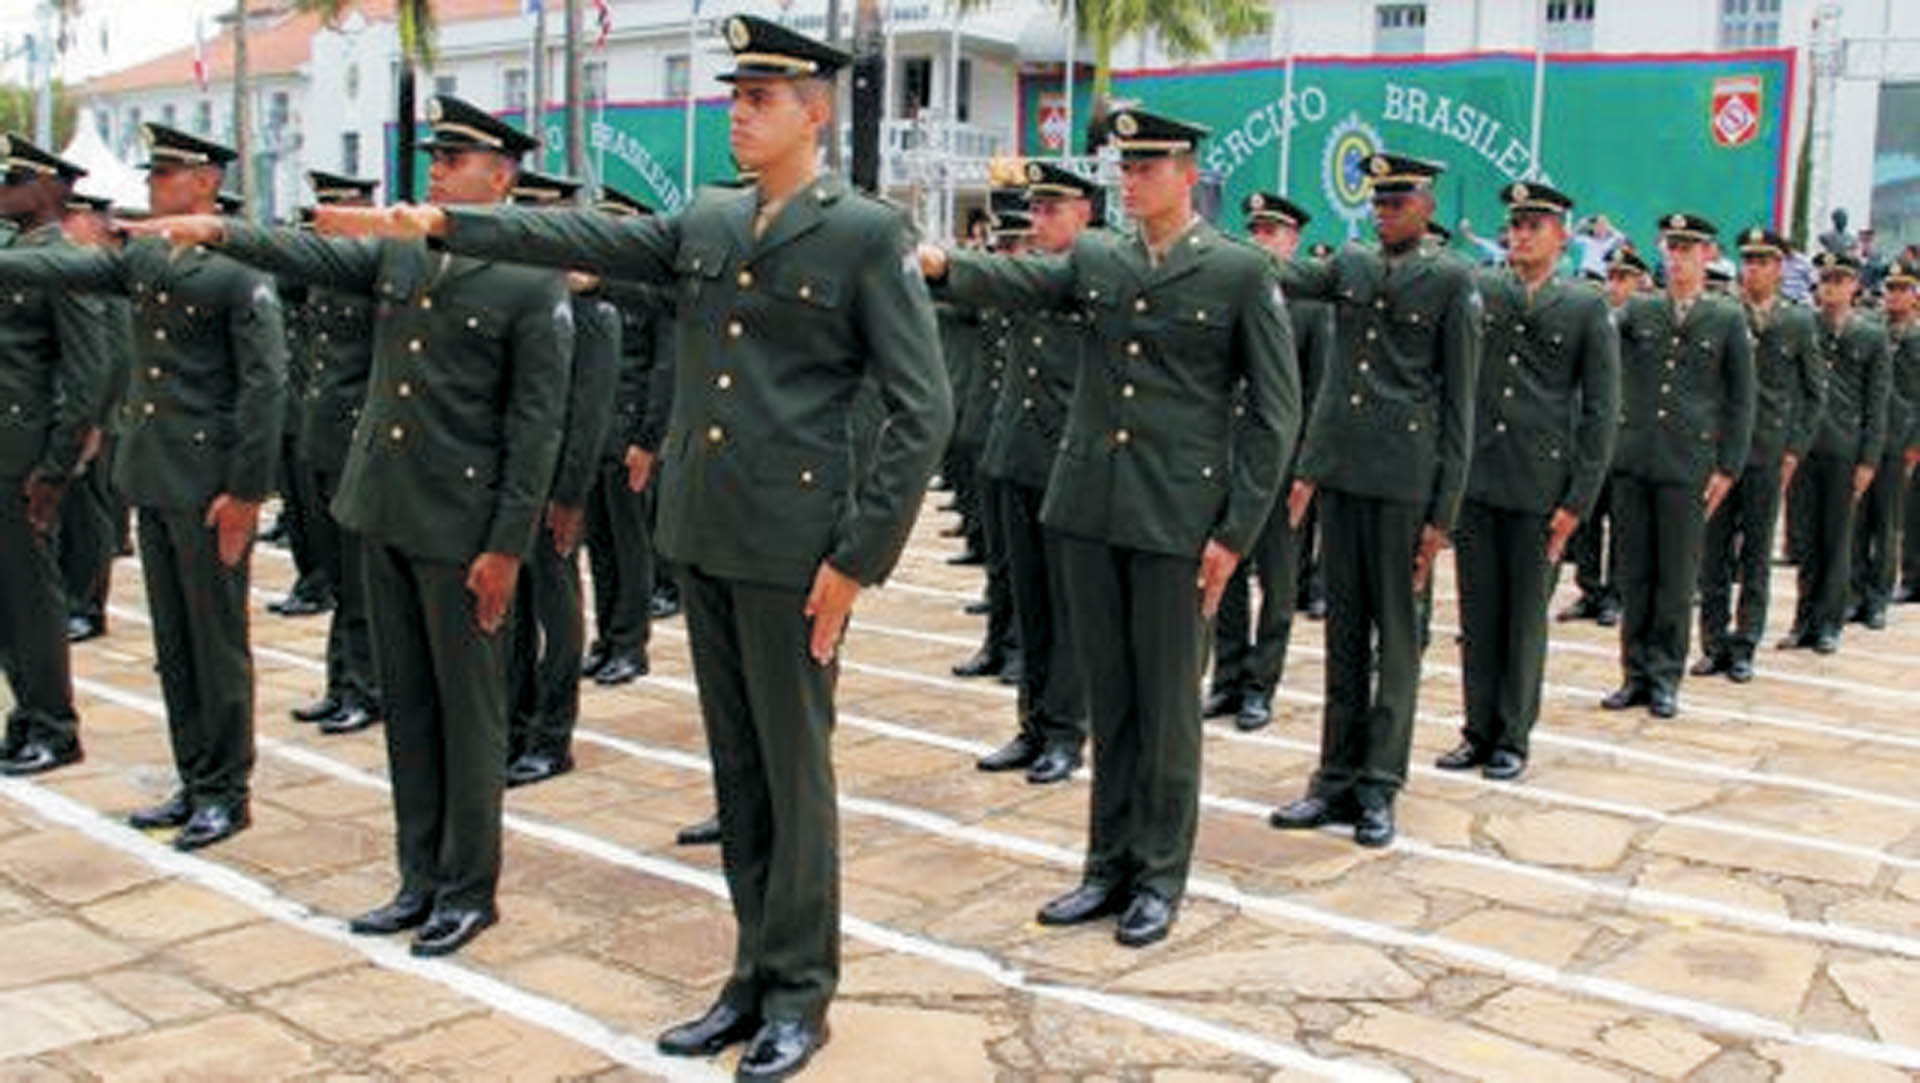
1687	395
1152	466
1387	447
1905	338
1876	539
54	372
1547	405
313	548
1790	393
776	330
93	516
1852	433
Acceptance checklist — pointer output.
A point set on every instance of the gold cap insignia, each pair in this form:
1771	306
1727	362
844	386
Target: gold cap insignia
738	35
6	146
1126	125
1257	201
435	111
1035	172
1677	221
1519	192
1379	165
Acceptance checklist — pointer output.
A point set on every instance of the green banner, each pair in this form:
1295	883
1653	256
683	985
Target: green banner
1630	137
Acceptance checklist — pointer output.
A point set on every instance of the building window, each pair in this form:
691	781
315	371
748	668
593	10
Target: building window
593	80
1570	26
279	111
167	114
513	91
103	121
679	76
1400	28
916	85
446	84
132	136
963	94
350	153
202	117
353	81
1746	24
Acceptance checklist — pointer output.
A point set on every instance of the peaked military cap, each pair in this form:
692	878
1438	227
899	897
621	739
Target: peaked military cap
1396	174
1320	250
1836	262
171	146
337	188
1007	201
1903	272
767	50
1012	224
1267	207
541	189
1532	197
1626	261
17	156
459	124
1138	134
613	201
1589	274
1689	227
1760	241
96	204
1720	270
1048	181
1439	233
231	203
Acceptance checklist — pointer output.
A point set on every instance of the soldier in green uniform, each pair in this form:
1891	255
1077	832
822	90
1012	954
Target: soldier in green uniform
1845	454
619	506
204	410
1386	450
54	369
1876	536
93	516
543	685
339	363
446	482
1548	401
1791	392
791	296
1157	487
1903	330
1249	656
1029	418
1687	406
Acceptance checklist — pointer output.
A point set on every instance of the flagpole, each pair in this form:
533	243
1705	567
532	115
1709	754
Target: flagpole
537	101
693	25
1539	92
1286	109
1073	32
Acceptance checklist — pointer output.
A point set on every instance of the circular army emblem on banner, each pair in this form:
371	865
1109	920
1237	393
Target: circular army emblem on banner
1126	125
1344	164
738	35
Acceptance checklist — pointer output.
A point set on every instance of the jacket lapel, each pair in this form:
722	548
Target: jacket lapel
802	214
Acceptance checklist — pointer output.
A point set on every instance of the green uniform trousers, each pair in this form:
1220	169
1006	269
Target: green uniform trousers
33	631
1825	494
303	513
1800	517
548	637
199	608
1366	737
1594	550
1876	536
445	684
92	523
350	673
1249	653
1003	627
1660	534
1506	583
1137	627
1910	538
768	709
1053	694
620	553
1737	548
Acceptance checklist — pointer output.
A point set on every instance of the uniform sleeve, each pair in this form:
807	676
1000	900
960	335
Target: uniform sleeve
1594	430
542	333
983	280
1315	349
1907	372
1309	279
894	316
1459	340
345	263
258	337
639	248
1743	389
1811	376
89	270
1263	351
82	378
590	395
1879	391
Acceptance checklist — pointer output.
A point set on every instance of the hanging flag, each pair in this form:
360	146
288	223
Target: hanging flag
603	16
199	54
531	7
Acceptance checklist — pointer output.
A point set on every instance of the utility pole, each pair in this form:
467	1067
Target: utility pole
869	93
537	101
242	128
834	161
42	53
576	99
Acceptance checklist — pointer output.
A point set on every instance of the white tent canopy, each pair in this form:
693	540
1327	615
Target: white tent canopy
107	175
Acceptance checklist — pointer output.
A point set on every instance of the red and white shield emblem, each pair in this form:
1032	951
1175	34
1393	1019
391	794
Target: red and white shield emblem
1736	110
1053	121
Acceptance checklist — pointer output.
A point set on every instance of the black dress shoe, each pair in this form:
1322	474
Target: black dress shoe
954	531
663	606
1148	919
1664	703
1854	614
1056	764
172	812
985	662
1310	812
1503	765
1875	618
1584	609
704	833
720	1027
1012	756
300	605
277	532
1317	609
1088	902
1904	594
532	767
408	910
349	720
967	558
1013	669
1221	702
448	930
1256	710
1465	755
1608	616
81	629
1373	828
781	1048
1795	640
1627	695
620	670
210	824
978	608
1740	670
1826	643
1709	665
320	710
591	662
38	757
